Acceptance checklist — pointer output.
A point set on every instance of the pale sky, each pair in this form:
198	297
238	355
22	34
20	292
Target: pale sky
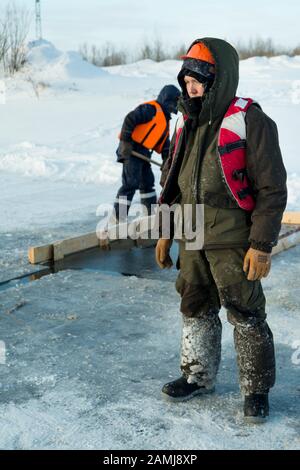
128	23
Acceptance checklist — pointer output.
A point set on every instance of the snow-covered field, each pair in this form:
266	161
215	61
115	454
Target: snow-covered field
58	137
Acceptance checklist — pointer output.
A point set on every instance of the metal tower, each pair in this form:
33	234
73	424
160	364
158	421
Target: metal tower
38	20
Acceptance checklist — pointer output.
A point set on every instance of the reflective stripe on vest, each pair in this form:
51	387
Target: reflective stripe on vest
232	152
154	133
178	130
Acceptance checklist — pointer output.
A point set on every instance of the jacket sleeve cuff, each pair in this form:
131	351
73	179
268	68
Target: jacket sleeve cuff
261	246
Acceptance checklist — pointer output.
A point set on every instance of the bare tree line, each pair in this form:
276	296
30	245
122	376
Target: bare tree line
14	28
264	48
108	55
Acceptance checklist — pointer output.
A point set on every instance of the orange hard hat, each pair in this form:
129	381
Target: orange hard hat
201	52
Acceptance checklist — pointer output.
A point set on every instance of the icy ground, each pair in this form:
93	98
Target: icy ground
87	353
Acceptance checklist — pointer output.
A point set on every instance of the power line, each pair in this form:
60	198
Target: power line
38	19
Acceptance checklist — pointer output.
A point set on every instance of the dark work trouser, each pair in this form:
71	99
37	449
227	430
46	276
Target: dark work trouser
137	175
207	280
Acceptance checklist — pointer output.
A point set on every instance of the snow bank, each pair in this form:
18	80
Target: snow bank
48	62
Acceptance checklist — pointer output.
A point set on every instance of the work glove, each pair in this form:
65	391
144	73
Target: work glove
162	255
257	263
125	149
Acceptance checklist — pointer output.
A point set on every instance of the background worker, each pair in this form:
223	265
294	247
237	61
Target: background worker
145	129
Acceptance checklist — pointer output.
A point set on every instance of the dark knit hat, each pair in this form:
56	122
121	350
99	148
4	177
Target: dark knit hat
203	72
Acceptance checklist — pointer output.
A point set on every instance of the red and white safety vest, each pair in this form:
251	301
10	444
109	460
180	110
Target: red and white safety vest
232	151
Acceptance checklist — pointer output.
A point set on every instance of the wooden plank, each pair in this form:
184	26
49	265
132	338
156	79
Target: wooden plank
289	237
73	245
40	254
136	232
287	240
112	233
291	218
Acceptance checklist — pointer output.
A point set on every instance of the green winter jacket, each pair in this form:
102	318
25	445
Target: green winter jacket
194	174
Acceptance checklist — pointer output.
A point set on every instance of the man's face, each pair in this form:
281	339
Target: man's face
193	87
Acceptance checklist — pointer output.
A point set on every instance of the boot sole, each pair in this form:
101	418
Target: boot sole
187	397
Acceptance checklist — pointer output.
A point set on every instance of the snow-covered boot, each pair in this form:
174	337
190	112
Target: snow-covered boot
181	390
256	408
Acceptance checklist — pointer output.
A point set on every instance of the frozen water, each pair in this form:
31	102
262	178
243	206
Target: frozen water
87	354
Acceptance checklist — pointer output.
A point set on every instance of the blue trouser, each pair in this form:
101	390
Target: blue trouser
137	175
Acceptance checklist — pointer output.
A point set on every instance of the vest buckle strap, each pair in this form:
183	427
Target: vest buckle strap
239	174
239	144
244	192
148	133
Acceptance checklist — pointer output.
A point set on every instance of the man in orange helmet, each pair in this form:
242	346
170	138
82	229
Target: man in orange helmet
224	156
144	129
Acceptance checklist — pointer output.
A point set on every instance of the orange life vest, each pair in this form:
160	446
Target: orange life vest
154	133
